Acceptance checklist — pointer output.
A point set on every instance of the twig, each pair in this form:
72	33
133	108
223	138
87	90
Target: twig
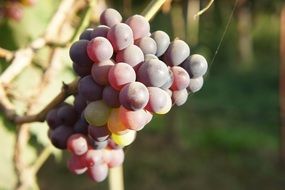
204	10
152	8
66	91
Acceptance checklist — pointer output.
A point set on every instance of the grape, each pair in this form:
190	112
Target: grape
94	158
131	55
81	70
117	157
76	164
89	89
97	113
159	101
99	49
66	114
147	57
52	119
195	84
121	74
181	78
87	34
153	73
169	81
60	135
120	36
98	133
110	17
176	53
134	96
81	125
147	45
113	145
134	120
78	53
100	30
98	173
162	41
168	91
77	144
100	144
139	26
196	65
111	97
114	123
79	103
124	139
100	72
179	97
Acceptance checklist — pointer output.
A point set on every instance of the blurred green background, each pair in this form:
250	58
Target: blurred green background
226	137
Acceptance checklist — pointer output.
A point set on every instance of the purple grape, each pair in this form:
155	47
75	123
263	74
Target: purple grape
110	17
82	70
81	126
147	45
196	65
86	35
78	53
120	36
162	41
111	97
79	103
60	135
134	96
52	119
181	78
89	89
67	114
153	73
176	53
98	133
100	31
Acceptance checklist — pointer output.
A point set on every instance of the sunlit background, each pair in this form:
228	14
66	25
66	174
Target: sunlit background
226	137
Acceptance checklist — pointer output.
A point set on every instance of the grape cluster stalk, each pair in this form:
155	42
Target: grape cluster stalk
127	75
14	9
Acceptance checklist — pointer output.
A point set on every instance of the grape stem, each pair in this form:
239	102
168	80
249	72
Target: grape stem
204	10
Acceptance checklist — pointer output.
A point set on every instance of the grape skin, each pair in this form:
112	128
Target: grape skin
195	84
86	35
120	36
89	89
99	49
159	101
131	55
97	113
181	78
162	41
134	96
176	53
100	31
139	25
196	65
100	71
110	17
78	53
147	45
111	97
179	97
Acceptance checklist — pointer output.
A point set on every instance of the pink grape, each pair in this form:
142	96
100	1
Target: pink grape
131	55
110	17
94	157
134	96
99	49
181	78
98	173
111	96
159	101
139	25
77	164
98	133
134	120
116	158
176	53
77	144
100	71
162	41
121	74
120	36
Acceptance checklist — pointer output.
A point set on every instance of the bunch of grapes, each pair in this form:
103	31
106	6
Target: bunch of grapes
14	9
127	74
